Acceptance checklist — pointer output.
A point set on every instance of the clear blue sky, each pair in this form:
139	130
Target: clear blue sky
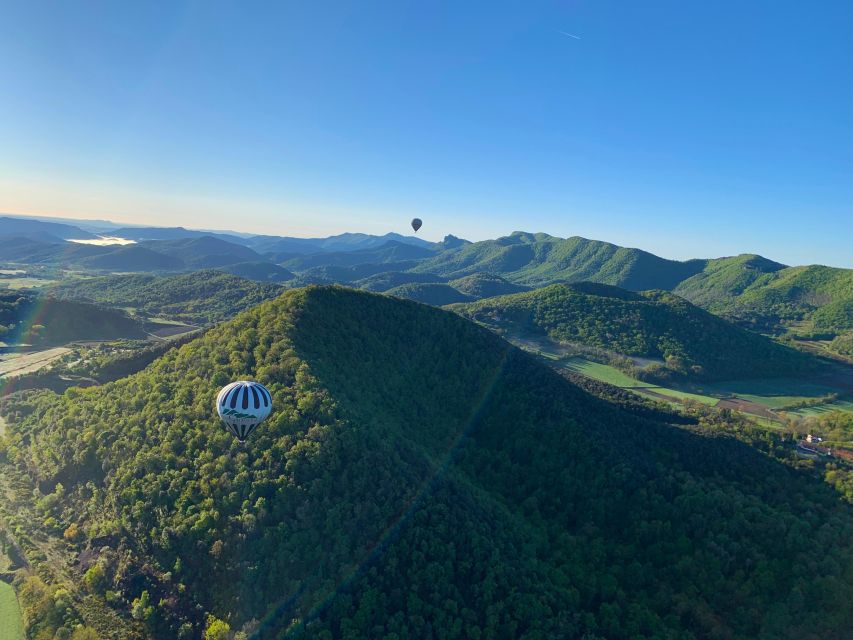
685	128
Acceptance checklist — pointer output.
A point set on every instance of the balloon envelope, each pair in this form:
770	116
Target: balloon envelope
416	224
243	405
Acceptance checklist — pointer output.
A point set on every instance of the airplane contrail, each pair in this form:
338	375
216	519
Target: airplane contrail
571	35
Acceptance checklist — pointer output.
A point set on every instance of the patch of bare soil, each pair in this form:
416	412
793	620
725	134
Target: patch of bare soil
746	406
646	391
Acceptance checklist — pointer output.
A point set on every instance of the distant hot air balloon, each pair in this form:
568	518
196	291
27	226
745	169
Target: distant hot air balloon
243	405
416	224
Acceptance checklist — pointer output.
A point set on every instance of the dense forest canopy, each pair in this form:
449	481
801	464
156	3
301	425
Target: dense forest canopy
651	324
419	473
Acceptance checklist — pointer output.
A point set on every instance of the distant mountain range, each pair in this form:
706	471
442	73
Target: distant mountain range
749	289
38	242
42	231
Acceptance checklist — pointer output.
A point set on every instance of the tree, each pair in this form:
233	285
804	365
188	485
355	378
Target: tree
95	579
141	608
217	629
72	533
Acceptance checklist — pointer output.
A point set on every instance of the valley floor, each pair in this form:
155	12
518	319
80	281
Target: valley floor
767	400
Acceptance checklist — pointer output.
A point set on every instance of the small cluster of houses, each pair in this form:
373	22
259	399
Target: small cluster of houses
811	448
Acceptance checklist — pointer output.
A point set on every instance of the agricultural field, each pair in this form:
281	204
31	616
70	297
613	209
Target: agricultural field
168	329
16	364
773	393
678	396
605	373
11	625
845	404
26	279
766	400
763	399
25	282
612	375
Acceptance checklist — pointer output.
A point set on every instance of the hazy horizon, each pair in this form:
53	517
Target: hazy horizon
685	130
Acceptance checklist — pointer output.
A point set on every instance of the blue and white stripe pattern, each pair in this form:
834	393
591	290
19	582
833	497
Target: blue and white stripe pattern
243	405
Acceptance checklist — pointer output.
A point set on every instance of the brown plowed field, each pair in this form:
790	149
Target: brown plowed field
739	404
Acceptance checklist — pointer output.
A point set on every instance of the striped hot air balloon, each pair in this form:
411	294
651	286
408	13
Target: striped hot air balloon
243	405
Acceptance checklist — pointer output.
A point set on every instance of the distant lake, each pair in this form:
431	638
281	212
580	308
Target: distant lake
105	240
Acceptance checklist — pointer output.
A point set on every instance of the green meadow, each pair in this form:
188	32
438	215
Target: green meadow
839	405
11	625
604	372
612	375
769	393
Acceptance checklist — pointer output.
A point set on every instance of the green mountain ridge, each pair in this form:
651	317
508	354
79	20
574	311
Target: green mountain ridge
811	305
748	288
419	473
651	324
753	289
536	259
758	293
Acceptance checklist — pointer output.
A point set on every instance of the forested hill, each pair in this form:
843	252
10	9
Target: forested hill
757	291
203	297
652	324
419	473
27	318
